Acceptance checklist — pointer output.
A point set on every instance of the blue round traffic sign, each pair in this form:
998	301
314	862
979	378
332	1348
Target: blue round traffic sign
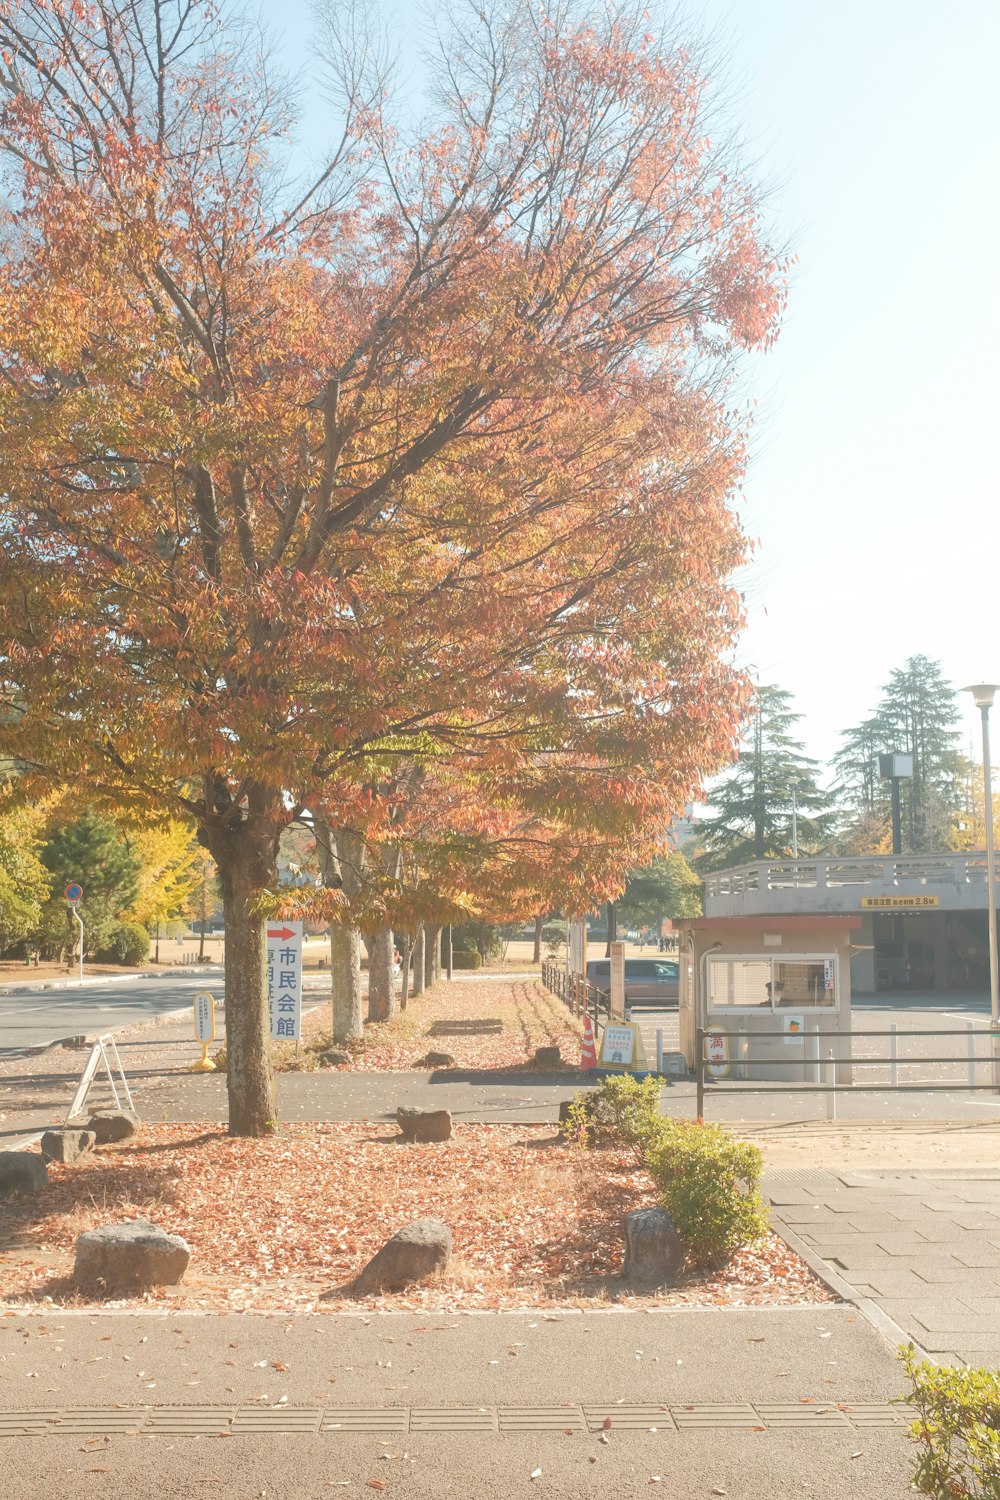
74	893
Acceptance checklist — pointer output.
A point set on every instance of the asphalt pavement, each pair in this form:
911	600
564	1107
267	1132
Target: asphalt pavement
38	1017
747	1403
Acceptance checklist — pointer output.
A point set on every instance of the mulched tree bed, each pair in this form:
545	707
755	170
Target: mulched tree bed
287	1222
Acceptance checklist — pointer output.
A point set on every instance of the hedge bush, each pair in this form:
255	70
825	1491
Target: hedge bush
126	943
710	1185
958	1429
709	1182
465	958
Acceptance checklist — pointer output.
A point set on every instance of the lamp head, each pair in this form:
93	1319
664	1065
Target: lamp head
983	693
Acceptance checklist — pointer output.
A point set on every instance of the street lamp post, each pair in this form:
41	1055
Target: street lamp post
983	694
794	782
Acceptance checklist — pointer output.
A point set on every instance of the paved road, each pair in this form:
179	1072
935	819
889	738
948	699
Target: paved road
38	1017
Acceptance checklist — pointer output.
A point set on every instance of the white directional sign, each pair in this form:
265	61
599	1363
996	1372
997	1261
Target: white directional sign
204	1018
284	979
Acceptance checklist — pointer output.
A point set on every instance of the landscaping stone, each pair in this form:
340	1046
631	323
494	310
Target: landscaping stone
587	1102
22	1172
548	1057
113	1125
130	1255
654	1254
67	1145
436	1060
424	1124
413	1254
331	1058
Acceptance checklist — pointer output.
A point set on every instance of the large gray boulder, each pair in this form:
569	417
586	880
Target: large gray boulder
413	1254
22	1172
67	1145
654	1254
436	1060
113	1125
424	1124
548	1057
130	1255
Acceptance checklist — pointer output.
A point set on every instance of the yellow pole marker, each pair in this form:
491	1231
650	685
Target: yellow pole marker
204	1030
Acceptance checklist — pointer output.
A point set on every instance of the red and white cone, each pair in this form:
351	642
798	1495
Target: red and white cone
588	1056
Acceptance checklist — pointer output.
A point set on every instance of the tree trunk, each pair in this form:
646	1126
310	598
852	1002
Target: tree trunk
245	856
342	864
536	955
612	928
431	935
419	944
381	980
404	973
345	972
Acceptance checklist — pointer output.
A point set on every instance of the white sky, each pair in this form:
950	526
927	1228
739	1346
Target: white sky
873	483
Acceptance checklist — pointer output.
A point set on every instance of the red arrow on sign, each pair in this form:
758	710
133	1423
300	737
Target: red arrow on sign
280	932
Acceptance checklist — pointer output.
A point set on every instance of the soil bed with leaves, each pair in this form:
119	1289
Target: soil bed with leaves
289	1221
485	1023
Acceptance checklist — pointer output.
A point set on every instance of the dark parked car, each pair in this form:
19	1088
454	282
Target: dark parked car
648	981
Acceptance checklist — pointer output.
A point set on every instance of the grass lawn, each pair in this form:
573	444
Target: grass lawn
288	1222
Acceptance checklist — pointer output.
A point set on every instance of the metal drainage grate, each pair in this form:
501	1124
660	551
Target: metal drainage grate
873	1414
630	1418
365	1419
715	1414
454	1419
210	1421
802	1414
541	1419
189	1421
91	1421
275	1419
26	1423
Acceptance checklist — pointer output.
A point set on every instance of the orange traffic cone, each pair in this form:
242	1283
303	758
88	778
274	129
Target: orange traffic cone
588	1056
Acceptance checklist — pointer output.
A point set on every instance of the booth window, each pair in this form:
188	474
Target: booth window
807	983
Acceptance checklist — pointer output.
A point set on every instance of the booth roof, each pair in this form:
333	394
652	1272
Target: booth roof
821	922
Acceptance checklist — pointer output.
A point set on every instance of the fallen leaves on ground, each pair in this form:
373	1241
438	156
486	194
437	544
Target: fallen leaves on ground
290	1219
483	1023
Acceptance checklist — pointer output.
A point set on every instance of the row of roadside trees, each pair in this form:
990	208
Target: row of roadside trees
387	499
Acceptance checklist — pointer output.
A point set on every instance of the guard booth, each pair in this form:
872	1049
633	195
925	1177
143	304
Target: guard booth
762	986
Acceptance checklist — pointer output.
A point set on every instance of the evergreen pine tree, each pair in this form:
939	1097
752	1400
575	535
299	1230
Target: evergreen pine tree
752	802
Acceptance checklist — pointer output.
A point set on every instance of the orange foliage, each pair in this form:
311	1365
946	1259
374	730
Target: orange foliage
433	468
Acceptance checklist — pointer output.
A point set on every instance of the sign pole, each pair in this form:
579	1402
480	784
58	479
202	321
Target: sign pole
74	895
79	920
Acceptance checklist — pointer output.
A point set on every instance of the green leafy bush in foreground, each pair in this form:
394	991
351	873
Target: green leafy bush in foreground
957	1428
709	1182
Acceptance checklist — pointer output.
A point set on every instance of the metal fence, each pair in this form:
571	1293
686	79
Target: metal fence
582	997
821	1071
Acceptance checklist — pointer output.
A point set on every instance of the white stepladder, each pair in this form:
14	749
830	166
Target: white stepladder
104	1050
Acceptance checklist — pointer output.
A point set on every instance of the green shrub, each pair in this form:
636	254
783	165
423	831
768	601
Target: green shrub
709	1182
710	1186
957	1428
126	943
466	958
622	1112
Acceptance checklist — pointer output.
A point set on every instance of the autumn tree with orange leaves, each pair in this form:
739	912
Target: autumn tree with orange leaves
428	457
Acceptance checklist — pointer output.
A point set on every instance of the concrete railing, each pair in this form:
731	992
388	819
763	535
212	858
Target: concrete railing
838	884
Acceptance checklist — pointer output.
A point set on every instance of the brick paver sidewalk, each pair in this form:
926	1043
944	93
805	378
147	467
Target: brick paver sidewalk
924	1246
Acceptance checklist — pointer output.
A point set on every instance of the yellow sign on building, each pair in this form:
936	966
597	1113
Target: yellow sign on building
898	903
